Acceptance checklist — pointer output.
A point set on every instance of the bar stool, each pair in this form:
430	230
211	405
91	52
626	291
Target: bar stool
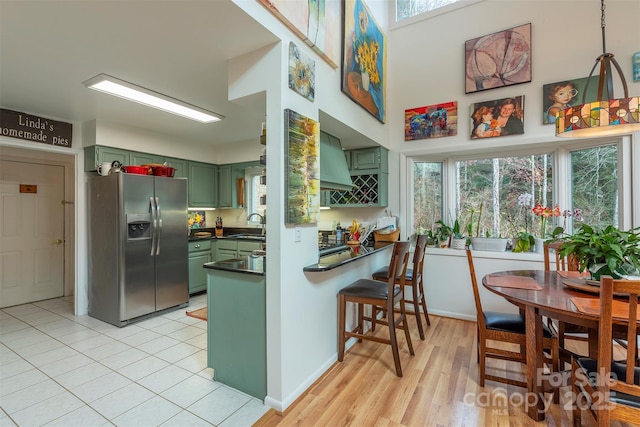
413	278
383	296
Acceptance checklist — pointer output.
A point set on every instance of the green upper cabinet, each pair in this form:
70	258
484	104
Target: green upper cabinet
96	154
370	158
369	173
181	170
145	158
224	186
203	185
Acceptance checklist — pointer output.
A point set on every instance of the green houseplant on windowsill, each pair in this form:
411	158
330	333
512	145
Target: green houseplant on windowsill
604	251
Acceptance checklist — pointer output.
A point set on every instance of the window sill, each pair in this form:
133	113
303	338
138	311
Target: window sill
523	256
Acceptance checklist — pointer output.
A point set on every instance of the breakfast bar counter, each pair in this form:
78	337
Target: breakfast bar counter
350	254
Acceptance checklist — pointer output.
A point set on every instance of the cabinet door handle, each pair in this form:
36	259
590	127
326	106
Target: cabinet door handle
197	246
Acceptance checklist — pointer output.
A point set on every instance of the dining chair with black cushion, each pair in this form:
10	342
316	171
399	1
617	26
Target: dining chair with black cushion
504	328
415	279
382	295
609	389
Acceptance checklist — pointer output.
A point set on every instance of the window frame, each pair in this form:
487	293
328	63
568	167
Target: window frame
629	212
394	23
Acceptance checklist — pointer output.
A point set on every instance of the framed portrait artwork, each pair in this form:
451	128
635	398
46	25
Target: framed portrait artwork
364	59
500	117
432	121
560	95
498	59
302	181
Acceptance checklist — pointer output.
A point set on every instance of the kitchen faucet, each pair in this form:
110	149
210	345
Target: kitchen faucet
262	222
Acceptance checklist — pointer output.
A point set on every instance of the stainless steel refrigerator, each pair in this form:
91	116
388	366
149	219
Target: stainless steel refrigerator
138	246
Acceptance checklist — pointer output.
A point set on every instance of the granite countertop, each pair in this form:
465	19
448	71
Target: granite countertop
350	254
250	264
229	233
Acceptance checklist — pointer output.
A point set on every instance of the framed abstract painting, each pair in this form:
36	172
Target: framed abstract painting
302	181
432	121
364	59
499	59
317	22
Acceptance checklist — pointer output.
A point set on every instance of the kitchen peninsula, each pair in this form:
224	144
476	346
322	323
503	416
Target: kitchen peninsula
236	323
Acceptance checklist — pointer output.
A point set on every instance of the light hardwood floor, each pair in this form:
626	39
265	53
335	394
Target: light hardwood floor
439	387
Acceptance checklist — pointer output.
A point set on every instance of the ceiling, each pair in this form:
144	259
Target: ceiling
177	48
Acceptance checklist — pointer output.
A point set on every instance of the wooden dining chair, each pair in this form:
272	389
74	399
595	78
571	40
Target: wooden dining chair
562	329
382	295
414	279
504	328
610	390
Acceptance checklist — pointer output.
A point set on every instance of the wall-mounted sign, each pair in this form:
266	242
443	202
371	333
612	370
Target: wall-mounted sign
33	128
27	188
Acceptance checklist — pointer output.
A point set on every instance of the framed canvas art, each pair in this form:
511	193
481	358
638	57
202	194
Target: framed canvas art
364	59
302	72
498	59
500	117
316	22
432	121
560	95
302	181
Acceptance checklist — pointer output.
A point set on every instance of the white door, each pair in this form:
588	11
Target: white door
31	232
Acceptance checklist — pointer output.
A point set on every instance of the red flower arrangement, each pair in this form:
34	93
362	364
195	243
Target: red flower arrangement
545	212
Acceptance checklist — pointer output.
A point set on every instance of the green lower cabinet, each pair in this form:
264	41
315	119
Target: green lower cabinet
226	249
199	254
246	248
236	325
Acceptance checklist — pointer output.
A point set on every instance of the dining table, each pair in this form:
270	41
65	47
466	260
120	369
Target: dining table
554	294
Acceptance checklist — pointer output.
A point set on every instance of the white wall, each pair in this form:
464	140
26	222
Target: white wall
426	62
425	66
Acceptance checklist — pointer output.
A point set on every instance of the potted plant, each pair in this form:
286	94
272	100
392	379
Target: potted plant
524	242
458	239
486	242
432	239
443	234
604	251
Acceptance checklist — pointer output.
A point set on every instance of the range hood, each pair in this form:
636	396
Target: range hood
334	171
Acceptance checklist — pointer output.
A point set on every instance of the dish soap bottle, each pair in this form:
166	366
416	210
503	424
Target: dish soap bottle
338	233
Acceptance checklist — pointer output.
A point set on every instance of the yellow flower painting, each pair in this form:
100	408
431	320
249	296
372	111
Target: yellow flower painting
364	59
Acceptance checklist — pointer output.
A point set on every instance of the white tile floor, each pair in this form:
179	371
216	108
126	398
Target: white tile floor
60	370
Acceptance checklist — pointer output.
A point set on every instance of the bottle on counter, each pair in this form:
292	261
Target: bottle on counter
338	233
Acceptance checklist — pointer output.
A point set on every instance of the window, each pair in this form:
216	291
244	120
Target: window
594	184
256	193
488	194
459	187
409	8
427	195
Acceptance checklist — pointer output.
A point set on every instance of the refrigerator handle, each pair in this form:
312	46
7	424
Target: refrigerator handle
159	215
154	222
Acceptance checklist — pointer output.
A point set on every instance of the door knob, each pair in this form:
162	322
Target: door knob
58	242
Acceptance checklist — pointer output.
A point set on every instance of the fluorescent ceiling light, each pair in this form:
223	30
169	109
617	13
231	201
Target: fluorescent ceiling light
126	90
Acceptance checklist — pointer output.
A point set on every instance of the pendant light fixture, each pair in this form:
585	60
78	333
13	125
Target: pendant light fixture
606	116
